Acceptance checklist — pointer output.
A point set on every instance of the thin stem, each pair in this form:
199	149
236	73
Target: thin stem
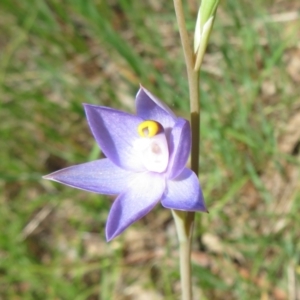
185	250
188	218
195	119
184	236
187	50
193	82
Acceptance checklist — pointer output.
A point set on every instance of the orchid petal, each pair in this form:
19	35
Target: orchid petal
143	194
151	108
184	193
99	176
179	147
115	133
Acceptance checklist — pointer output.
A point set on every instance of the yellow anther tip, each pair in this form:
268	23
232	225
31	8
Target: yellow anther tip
149	128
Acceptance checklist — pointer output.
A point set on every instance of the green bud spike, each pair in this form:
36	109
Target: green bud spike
204	24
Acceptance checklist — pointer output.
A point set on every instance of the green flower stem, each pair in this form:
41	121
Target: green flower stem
184	220
193	82
184	232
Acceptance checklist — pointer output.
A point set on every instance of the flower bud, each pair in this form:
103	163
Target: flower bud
204	24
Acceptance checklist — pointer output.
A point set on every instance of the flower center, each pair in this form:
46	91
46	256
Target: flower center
152	147
149	128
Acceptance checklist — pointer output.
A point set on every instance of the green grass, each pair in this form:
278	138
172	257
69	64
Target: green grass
55	55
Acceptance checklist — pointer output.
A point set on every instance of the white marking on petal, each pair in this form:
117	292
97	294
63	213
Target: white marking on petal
153	152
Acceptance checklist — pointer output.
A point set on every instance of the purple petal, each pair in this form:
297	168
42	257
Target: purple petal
184	193
136	202
99	176
151	108
179	147
116	133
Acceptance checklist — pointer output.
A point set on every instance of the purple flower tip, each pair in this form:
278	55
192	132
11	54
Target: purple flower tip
145	162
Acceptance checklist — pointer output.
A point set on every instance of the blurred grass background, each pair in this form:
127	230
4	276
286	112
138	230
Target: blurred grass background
55	55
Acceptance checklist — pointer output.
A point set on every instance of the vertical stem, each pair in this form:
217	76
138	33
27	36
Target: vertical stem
184	236
185	269
185	225
195	119
193	82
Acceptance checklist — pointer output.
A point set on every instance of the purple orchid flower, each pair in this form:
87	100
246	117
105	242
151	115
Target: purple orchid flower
145	162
